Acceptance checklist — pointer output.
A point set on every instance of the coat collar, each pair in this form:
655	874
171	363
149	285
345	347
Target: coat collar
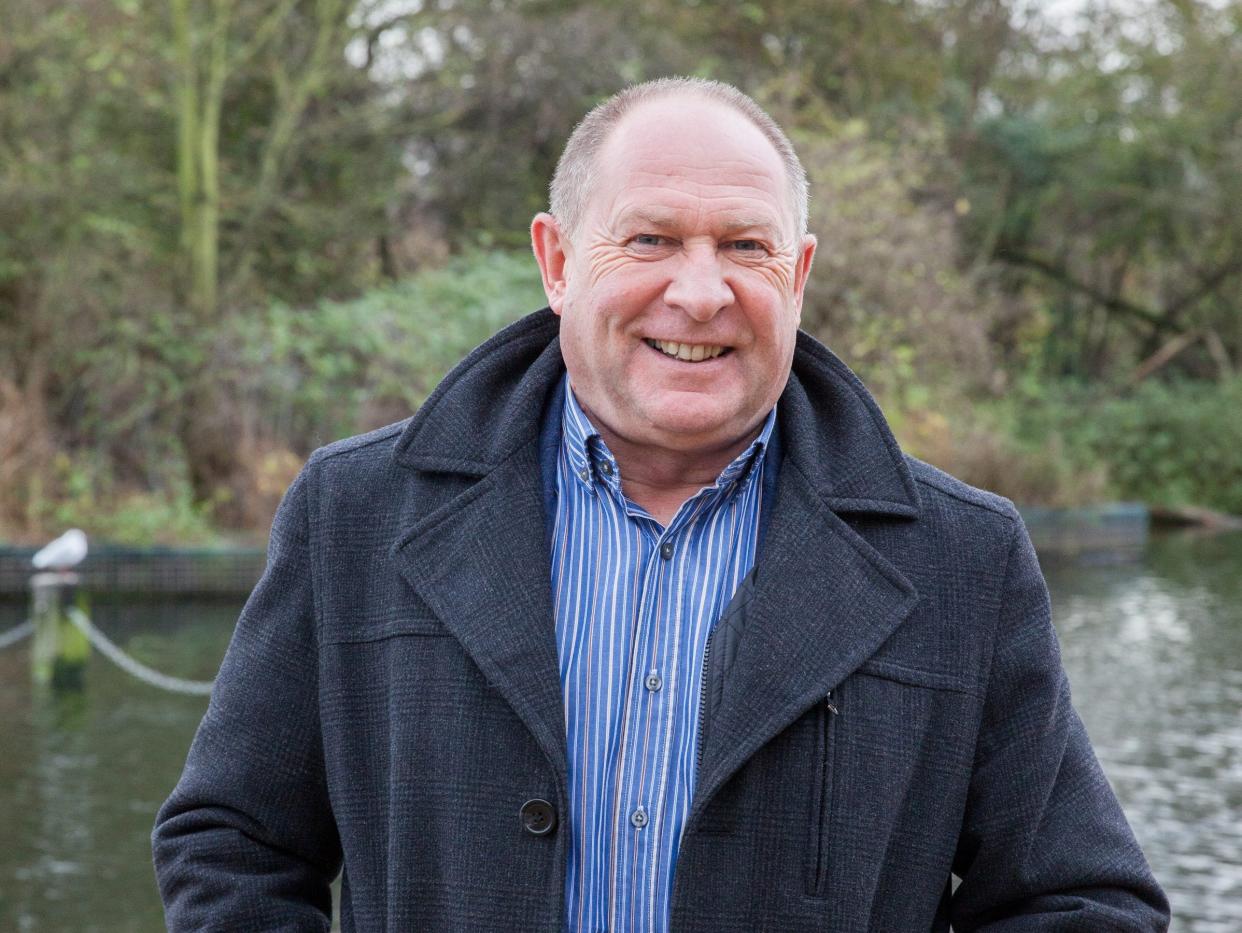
490	405
475	549
841	442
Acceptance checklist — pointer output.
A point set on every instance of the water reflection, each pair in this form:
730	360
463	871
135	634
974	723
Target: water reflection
1153	649
81	774
1154	655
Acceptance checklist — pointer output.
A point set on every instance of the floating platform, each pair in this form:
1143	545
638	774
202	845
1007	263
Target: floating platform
1111	531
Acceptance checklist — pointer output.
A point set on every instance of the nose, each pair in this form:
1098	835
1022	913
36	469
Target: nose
697	287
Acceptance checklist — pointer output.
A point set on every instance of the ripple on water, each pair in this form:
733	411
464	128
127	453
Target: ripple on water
1154	655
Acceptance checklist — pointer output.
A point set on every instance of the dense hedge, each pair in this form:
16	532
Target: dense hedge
1164	444
336	368
282	380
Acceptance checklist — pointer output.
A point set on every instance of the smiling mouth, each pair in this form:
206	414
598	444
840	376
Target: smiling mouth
688	352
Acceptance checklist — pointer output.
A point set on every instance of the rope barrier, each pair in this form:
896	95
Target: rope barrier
122	660
16	634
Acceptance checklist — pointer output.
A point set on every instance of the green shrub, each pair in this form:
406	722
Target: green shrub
311	375
1164	444
1179	444
87	496
285	380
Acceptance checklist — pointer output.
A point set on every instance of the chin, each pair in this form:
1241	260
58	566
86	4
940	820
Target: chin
694	429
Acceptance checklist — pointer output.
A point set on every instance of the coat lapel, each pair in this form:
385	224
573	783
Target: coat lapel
481	563
476	548
824	600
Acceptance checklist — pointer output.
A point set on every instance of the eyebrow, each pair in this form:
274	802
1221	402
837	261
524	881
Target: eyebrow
660	220
748	223
647	217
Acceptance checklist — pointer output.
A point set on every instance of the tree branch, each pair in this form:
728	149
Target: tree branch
1207	285
1112	302
264	31
1162	356
292	101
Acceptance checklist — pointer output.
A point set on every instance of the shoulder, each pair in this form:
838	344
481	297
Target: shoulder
378	443
354	470
964	521
940	490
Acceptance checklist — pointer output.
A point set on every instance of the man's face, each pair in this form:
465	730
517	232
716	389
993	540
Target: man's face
681	291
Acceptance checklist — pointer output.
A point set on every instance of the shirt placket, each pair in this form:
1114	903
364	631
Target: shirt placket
643	763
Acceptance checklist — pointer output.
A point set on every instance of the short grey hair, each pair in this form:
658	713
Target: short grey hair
575	172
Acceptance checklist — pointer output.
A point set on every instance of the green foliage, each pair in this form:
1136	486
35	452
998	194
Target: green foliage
85	494
284	380
315	374
886	291
1103	167
981	446
1164	444
994	194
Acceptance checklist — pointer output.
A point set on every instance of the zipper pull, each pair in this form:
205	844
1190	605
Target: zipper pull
829	704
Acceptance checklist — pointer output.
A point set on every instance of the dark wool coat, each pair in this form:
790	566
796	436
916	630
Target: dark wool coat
894	710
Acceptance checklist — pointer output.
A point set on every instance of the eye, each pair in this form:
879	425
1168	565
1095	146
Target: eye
648	240
748	246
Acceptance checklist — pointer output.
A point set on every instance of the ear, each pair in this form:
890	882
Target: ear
550	248
802	268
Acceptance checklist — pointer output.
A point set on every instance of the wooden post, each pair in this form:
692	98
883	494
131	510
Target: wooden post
60	649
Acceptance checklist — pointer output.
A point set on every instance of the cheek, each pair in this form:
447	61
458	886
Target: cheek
625	290
772	314
591	338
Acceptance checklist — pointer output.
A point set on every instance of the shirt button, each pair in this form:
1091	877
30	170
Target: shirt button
538	817
606	468
653	682
584	475
639	818
666	550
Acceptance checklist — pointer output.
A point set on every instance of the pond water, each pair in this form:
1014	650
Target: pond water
1154	655
1153	648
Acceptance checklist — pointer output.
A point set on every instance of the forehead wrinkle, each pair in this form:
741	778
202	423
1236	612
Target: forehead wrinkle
664	200
651	190
766	207
707	176
648	216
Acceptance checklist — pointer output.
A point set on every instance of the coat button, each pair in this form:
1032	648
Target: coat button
538	817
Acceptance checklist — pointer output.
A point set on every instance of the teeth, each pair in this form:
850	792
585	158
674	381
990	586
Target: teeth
690	352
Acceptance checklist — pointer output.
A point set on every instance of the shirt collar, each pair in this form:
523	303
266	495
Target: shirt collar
592	462
578	436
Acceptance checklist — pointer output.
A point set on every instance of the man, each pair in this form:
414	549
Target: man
644	622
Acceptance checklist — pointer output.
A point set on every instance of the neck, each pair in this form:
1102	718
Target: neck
662	479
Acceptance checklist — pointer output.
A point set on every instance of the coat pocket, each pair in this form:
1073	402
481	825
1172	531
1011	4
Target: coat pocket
357	634
827	712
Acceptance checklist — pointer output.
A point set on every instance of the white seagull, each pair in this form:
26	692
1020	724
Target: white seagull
65	552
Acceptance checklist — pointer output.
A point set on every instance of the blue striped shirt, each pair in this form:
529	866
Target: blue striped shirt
634	606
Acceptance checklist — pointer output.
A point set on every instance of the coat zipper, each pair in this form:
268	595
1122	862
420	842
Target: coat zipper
698	752
829	712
